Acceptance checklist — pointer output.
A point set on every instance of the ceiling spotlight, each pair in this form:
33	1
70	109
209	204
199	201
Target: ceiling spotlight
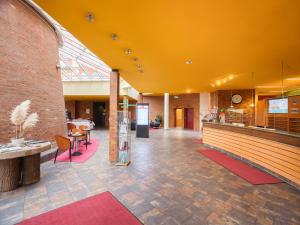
139	66
90	17
230	77
135	59
114	36
189	62
128	51
224	81
188	91
218	83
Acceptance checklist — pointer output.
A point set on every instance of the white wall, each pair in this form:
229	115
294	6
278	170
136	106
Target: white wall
204	106
96	88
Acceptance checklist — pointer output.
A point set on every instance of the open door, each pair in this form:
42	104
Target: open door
178	118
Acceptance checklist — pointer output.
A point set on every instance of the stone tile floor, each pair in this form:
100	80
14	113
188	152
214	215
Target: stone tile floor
168	182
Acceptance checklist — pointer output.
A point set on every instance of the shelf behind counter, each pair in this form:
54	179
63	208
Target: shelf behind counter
275	151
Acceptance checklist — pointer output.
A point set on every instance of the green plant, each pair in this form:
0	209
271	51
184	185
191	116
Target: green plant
158	118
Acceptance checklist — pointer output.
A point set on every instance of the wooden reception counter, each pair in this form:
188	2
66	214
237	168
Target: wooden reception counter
276	152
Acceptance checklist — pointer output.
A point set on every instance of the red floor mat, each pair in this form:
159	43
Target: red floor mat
96	210
243	170
199	141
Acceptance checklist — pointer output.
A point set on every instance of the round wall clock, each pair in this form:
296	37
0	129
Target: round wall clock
236	98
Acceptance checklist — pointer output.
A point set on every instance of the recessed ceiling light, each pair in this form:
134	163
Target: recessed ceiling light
189	62
90	17
128	51
218	82
114	36
224	81
230	76
188	90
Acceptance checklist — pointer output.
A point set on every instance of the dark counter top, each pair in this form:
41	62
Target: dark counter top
269	134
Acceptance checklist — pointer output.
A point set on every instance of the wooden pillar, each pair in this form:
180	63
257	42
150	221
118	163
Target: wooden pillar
113	114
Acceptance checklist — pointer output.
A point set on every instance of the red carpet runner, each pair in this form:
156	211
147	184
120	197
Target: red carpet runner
86	153
102	209
199	141
247	172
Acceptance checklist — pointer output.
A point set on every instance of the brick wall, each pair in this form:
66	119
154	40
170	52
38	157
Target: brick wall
184	101
81	109
29	56
70	107
156	105
223	101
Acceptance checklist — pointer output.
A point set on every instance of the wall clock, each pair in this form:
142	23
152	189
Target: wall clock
236	98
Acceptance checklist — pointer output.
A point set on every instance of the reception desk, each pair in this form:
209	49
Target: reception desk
276	152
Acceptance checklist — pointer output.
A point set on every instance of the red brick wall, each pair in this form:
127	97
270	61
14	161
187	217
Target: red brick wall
223	101
156	105
185	101
29	56
81	107
70	106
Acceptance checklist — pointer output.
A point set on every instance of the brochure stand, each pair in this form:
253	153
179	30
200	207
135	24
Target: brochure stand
124	136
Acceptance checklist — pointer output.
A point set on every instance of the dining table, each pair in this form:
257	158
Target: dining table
20	165
75	137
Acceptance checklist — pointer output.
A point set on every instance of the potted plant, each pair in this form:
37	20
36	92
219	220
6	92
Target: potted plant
22	121
158	118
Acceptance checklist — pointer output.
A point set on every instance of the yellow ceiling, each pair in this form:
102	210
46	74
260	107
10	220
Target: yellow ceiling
220	37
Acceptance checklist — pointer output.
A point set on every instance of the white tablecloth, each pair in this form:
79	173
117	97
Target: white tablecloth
87	123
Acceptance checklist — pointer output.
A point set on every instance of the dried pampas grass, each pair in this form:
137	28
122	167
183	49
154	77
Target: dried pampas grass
31	121
19	114
19	117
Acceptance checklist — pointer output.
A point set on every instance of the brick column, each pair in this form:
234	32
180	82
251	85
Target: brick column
113	114
140	98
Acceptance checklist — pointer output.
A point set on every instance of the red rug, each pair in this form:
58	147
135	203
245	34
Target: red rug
86	153
102	209
198	141
243	170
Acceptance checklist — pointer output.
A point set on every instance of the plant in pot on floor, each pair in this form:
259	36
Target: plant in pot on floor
22	121
158	121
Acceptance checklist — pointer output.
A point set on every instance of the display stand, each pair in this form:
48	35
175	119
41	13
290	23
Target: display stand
142	122
124	137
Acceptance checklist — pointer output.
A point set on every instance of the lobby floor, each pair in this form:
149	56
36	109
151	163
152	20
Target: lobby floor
168	182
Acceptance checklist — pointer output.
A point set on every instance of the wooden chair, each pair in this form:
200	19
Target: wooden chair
63	144
70	127
80	138
83	127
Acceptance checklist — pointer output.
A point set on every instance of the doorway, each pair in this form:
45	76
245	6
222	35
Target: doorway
99	113
178	120
189	118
